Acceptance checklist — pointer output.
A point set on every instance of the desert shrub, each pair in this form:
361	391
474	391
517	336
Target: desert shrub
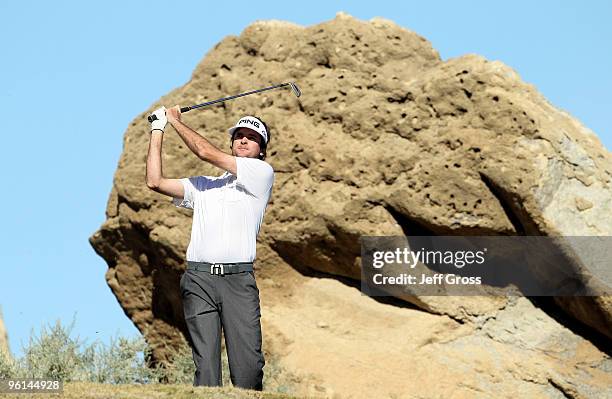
120	362
9	367
53	353
180	370
277	378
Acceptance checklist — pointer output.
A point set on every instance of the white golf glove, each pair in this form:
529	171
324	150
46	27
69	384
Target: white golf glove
160	122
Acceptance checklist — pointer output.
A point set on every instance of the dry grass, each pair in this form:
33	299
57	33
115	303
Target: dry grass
88	390
119	370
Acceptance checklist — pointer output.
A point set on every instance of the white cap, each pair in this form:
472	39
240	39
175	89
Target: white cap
252	123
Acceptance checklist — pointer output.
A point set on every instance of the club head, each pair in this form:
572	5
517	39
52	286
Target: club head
295	89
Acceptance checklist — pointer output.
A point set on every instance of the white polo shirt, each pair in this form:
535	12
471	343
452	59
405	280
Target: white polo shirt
227	212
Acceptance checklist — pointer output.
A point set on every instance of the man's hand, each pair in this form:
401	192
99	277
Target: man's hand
174	114
160	122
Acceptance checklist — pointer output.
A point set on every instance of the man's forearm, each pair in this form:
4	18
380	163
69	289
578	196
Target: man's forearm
196	143
154	162
203	148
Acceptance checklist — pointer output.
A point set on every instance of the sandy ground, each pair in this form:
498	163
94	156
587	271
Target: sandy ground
339	343
331	336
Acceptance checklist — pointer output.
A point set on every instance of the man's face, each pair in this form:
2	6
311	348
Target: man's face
247	143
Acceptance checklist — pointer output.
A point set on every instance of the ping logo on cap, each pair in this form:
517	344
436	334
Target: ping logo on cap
249	121
252	123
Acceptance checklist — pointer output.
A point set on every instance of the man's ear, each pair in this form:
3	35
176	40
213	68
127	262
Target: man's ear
232	140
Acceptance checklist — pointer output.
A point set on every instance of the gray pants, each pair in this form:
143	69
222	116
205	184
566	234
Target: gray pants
231	301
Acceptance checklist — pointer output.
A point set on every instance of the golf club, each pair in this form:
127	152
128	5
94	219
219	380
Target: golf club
292	85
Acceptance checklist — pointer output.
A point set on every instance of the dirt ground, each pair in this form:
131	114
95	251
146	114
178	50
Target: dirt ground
331	337
332	341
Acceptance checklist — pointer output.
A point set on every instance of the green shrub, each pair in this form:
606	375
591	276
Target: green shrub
9	367
180	370
121	362
55	354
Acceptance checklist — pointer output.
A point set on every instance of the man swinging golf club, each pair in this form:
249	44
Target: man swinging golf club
218	288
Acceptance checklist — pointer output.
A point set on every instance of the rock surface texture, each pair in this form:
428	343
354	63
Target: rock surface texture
388	139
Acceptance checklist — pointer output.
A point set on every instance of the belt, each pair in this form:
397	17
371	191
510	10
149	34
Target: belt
220	268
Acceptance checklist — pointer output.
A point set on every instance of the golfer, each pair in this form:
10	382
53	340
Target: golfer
218	288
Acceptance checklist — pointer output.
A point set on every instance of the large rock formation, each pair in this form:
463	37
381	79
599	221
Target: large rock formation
387	140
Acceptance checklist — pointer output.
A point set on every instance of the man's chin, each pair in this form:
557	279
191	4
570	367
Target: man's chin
243	154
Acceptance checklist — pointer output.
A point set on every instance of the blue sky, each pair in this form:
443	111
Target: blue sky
73	75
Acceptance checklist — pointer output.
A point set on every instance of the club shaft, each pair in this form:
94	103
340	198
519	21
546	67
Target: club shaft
294	88
236	96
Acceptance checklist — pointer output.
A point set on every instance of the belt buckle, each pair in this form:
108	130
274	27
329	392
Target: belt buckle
217	269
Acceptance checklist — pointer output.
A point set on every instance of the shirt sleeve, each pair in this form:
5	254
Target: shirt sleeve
190	186
255	175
